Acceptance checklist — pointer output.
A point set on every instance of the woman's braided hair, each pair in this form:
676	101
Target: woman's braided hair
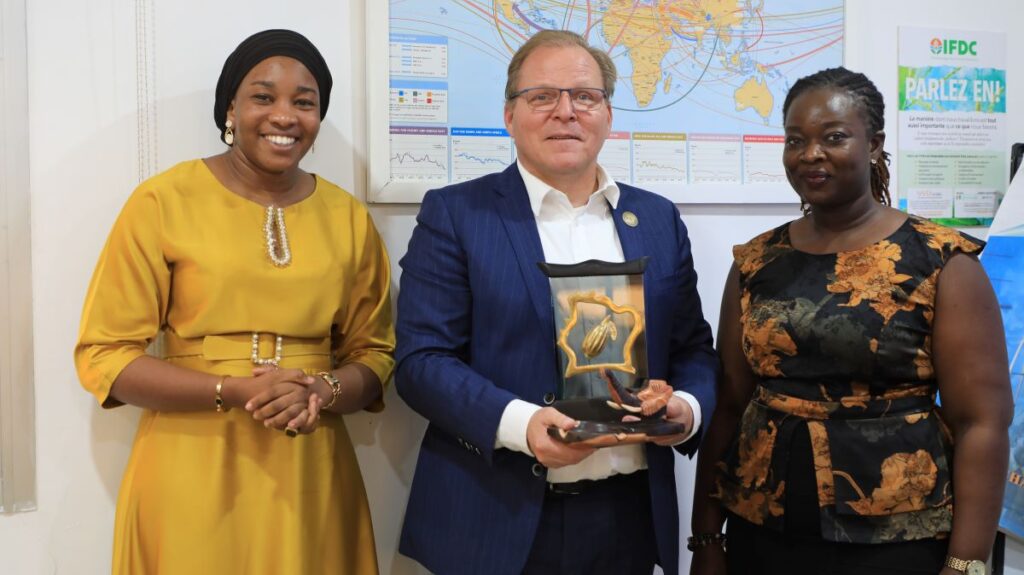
867	96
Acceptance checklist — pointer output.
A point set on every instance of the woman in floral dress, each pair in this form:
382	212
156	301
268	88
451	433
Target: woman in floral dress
828	452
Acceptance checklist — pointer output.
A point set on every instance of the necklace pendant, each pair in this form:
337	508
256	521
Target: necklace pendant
276	236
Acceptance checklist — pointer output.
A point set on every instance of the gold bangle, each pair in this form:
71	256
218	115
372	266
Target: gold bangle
332	381
218	399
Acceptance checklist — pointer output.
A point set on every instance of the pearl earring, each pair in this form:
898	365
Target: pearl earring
229	134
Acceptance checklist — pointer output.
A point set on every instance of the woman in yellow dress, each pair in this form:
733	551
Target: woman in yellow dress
271	288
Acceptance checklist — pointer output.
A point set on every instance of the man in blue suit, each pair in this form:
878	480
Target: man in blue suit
493	492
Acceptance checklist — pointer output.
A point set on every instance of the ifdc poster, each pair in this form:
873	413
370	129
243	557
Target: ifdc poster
952	165
1003	260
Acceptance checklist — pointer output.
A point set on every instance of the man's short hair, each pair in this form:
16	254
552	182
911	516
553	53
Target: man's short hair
558	38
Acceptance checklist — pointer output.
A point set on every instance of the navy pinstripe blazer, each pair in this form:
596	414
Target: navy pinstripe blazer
475	331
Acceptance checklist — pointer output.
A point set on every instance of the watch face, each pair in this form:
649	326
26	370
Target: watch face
975	568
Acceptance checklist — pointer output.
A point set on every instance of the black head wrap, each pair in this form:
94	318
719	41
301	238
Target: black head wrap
259	47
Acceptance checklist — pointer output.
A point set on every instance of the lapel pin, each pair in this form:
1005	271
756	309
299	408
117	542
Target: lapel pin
630	219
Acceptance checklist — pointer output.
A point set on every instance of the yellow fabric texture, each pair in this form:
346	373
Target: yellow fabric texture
208	492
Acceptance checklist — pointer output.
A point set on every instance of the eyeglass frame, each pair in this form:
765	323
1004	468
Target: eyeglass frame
602	91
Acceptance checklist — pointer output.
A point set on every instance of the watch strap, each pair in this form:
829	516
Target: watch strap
956	563
960	565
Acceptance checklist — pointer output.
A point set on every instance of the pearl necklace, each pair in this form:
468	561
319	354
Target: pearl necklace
280	255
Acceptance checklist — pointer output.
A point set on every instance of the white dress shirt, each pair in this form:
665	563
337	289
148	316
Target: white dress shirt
571	235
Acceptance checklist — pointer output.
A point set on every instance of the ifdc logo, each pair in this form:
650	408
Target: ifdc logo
954	47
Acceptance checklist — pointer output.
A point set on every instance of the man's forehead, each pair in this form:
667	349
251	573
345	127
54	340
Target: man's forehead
559	55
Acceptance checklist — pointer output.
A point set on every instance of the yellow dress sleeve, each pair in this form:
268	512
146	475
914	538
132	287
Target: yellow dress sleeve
127	298
364	331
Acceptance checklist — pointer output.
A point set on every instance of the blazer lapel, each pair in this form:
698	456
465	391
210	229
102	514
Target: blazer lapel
521	226
630	237
640	234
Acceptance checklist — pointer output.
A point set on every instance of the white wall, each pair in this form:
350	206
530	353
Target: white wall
84	152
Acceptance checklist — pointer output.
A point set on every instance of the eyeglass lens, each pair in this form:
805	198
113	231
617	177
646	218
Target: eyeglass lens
544	99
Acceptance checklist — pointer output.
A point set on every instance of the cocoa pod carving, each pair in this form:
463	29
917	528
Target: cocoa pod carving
597	338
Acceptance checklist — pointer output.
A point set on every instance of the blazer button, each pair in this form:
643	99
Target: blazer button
549	398
538	470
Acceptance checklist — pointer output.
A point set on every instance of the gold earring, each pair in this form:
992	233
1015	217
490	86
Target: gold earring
229	134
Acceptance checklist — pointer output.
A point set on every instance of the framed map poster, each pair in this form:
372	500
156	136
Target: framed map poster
697	109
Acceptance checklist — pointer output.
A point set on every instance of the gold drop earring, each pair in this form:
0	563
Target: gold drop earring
229	133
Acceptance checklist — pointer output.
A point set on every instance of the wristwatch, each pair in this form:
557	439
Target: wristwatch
967	566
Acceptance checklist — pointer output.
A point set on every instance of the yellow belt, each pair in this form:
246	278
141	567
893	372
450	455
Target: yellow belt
235	346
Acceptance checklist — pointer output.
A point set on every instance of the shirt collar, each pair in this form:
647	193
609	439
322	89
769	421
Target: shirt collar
537	190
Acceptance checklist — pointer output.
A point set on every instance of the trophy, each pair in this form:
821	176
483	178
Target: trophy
600	336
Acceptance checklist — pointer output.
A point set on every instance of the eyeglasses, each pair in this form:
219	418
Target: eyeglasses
546	99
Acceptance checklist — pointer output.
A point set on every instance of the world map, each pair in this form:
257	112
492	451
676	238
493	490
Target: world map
698	99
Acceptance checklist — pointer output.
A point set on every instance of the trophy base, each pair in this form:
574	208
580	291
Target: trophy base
602	426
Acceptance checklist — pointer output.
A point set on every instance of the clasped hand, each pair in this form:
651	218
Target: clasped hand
284	399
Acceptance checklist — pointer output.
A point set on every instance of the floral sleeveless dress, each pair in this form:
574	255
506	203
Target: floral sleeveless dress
841	343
